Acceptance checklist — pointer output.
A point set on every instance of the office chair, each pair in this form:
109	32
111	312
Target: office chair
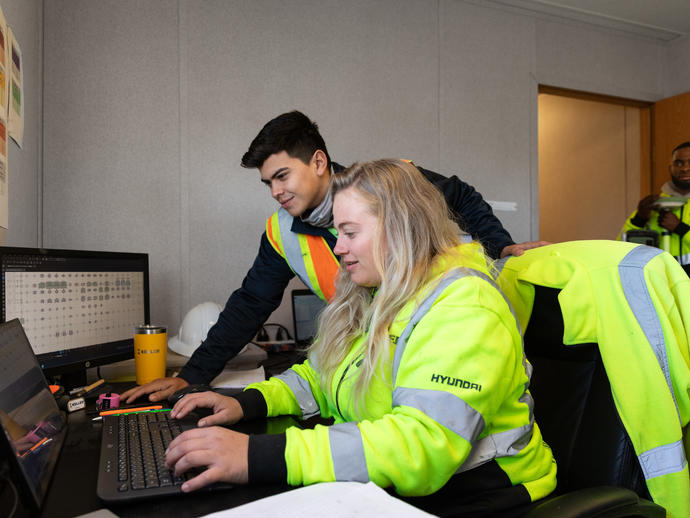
598	471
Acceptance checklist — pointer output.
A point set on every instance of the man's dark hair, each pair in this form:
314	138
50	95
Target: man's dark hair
291	132
680	146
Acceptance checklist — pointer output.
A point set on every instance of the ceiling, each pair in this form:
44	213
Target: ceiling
665	20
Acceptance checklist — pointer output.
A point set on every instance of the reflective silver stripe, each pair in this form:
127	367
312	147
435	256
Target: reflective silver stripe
292	249
683	259
631	271
503	444
347	452
667	458
443	407
302	391
662	460
499	264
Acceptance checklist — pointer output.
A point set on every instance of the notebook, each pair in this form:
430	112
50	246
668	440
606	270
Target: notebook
33	427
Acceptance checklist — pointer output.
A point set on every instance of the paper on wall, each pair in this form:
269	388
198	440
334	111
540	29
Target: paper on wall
15	122
4	59
4	192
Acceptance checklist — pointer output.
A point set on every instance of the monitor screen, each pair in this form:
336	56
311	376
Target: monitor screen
306	307
78	308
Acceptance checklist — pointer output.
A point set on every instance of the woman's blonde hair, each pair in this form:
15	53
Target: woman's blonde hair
414	227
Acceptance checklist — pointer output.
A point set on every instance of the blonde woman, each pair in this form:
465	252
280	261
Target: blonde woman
418	360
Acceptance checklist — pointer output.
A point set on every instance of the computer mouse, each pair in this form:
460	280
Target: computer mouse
189	389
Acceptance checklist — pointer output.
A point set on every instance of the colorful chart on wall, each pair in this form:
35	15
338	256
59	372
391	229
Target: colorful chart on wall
4	92
15	123
4	52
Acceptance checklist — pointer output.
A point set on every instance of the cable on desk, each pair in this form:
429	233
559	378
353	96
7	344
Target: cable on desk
281	329
14	491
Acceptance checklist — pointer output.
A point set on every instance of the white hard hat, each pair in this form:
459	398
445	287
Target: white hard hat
194	328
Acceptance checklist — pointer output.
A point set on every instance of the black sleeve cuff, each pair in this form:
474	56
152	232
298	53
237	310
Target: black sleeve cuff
253	404
266	458
192	376
638	221
681	229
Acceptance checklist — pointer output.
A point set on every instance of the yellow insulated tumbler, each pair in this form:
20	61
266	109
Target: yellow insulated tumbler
150	344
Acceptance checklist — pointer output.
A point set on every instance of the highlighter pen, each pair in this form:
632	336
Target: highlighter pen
130	410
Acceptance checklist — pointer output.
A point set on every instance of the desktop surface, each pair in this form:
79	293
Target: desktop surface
73	489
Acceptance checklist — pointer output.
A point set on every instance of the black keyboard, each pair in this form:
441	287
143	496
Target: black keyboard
132	464
141	443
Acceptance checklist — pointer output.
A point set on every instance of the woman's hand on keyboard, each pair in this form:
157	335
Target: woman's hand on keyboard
226	410
223	452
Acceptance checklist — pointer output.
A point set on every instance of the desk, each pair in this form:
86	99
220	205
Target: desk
73	488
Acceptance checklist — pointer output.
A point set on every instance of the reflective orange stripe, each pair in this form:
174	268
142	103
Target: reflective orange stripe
269	234
325	265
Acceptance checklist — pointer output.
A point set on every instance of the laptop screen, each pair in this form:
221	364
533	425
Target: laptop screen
33	428
305	309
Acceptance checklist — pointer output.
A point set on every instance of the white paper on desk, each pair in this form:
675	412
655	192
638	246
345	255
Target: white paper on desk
239	379
332	499
249	357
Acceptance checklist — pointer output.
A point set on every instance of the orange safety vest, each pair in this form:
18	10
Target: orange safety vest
309	257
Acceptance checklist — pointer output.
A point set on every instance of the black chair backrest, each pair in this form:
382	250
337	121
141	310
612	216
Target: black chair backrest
574	407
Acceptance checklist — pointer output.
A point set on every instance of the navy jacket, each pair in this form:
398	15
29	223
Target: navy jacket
262	289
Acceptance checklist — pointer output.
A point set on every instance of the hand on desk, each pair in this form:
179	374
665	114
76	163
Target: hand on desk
223	452
158	390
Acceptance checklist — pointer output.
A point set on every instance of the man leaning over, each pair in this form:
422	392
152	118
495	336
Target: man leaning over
294	164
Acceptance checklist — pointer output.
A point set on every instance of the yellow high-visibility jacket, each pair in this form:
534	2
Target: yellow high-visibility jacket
634	302
452	399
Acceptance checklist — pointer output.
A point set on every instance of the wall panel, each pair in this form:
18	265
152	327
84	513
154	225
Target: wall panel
111	135
150	105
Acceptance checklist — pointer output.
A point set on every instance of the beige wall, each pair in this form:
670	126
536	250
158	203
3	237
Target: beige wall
143	131
589	167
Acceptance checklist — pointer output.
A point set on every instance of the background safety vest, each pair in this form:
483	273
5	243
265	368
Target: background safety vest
678	247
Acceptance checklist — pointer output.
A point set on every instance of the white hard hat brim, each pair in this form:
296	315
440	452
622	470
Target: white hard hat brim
178	346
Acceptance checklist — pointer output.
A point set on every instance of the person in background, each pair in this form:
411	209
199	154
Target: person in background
295	166
654	213
418	360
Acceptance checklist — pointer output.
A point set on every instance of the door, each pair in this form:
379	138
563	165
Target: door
593	163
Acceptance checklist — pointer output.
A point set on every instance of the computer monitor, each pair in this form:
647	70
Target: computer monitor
306	307
78	307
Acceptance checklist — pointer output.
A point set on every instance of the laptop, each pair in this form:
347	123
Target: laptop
34	430
305	310
33	427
